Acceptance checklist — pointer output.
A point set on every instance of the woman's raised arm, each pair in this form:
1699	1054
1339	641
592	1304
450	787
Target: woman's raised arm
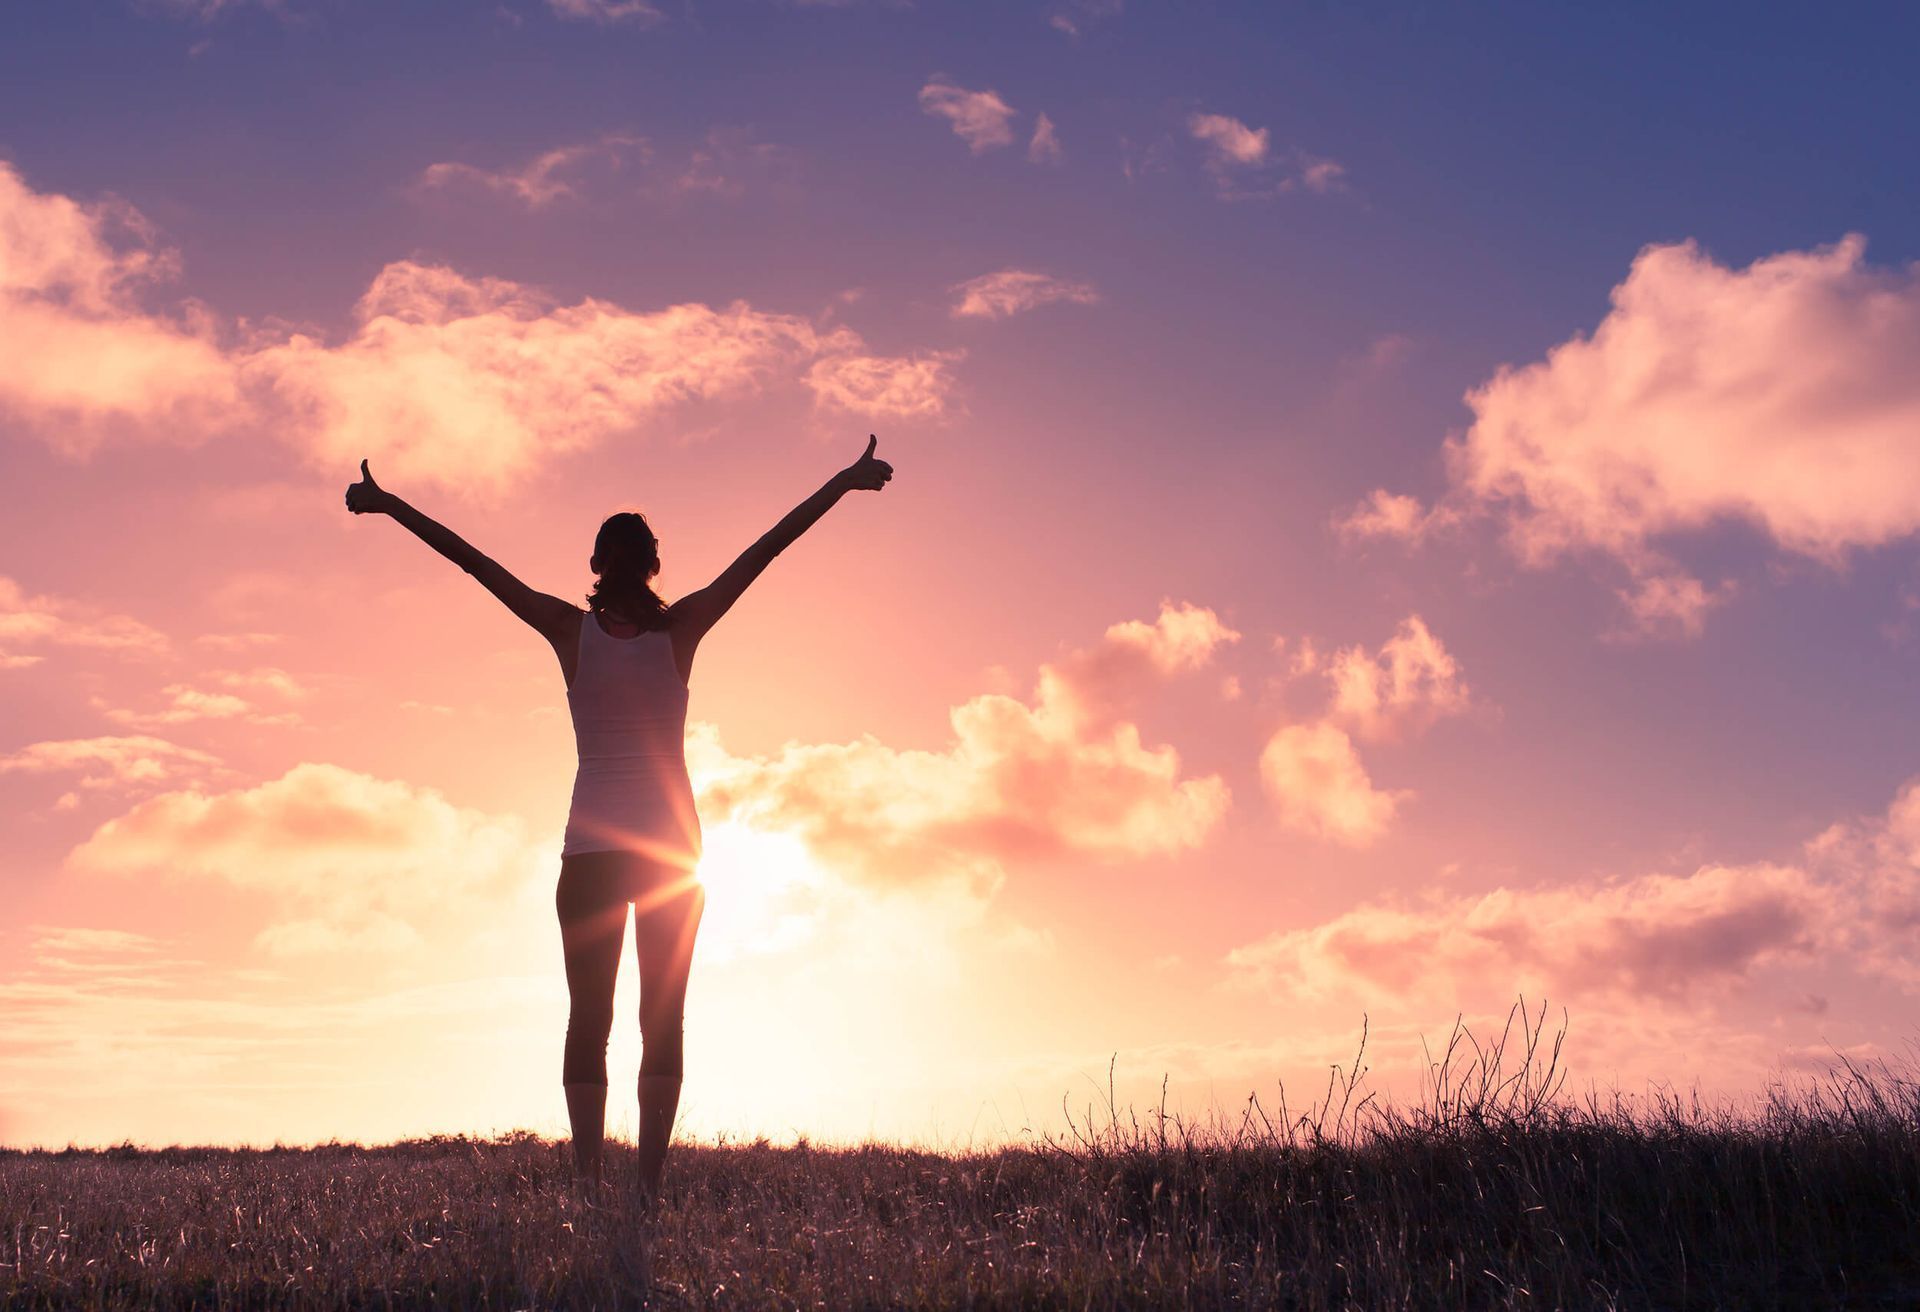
699	611
551	616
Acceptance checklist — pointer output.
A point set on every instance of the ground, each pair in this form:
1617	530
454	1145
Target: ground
1492	1200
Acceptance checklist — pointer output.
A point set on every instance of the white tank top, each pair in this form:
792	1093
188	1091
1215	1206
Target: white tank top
629	708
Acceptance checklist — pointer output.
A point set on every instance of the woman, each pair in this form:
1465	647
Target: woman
632	837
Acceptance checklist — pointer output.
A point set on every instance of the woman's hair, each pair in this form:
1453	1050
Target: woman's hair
626	556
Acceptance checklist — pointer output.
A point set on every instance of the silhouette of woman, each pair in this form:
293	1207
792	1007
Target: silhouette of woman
633	837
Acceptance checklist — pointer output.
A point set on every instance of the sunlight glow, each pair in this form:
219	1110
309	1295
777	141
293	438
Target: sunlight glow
763	891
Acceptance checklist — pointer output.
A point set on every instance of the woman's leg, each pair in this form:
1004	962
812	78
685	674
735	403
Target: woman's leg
666	919
591	902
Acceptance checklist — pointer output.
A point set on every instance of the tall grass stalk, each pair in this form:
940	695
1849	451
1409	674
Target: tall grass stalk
1496	1190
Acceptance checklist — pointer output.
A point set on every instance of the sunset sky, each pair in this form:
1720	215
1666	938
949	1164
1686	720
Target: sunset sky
1398	508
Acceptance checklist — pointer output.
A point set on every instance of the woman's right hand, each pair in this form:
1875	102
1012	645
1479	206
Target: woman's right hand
367	497
866	474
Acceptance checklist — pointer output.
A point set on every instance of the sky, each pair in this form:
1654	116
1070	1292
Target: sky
1398	510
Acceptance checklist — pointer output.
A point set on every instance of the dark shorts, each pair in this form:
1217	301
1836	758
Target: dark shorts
593	898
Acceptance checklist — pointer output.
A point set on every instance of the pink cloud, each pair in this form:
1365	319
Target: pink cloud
1665	600
83	360
1313	770
1075	16
465	381
184	703
447	377
980	118
605	12
1779	395
1411	681
1387	514
238	642
348	860
1322	788
886	387
207	10
1647	951
1245	164
546	178
1182	637
1873	864
727	160
1060	772
105	762
1098	683
1230	142
1321	175
1008	292
724	162
27	619
1044	147
187	702
88	948
1661	936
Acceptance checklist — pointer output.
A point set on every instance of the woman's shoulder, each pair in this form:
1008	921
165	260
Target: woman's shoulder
682	610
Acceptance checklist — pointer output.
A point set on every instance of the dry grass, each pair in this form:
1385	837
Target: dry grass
1497	1191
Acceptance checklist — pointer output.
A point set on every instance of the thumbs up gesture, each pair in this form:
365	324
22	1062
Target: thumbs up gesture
866	474
367	497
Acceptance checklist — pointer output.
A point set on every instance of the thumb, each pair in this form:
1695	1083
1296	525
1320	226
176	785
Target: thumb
367	473
872	442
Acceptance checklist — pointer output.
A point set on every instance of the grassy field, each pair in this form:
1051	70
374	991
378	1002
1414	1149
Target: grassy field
1498	1191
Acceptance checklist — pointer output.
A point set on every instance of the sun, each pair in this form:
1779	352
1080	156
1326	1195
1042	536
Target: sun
763	890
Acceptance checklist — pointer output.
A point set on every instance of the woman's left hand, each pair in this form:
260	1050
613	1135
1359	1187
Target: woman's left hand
866	474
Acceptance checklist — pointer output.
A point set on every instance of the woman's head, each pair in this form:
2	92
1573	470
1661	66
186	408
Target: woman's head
626	556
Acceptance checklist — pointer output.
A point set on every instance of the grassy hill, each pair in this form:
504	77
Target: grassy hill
1497	1192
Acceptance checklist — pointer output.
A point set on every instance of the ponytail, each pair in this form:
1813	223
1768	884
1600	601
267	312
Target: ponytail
626	556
